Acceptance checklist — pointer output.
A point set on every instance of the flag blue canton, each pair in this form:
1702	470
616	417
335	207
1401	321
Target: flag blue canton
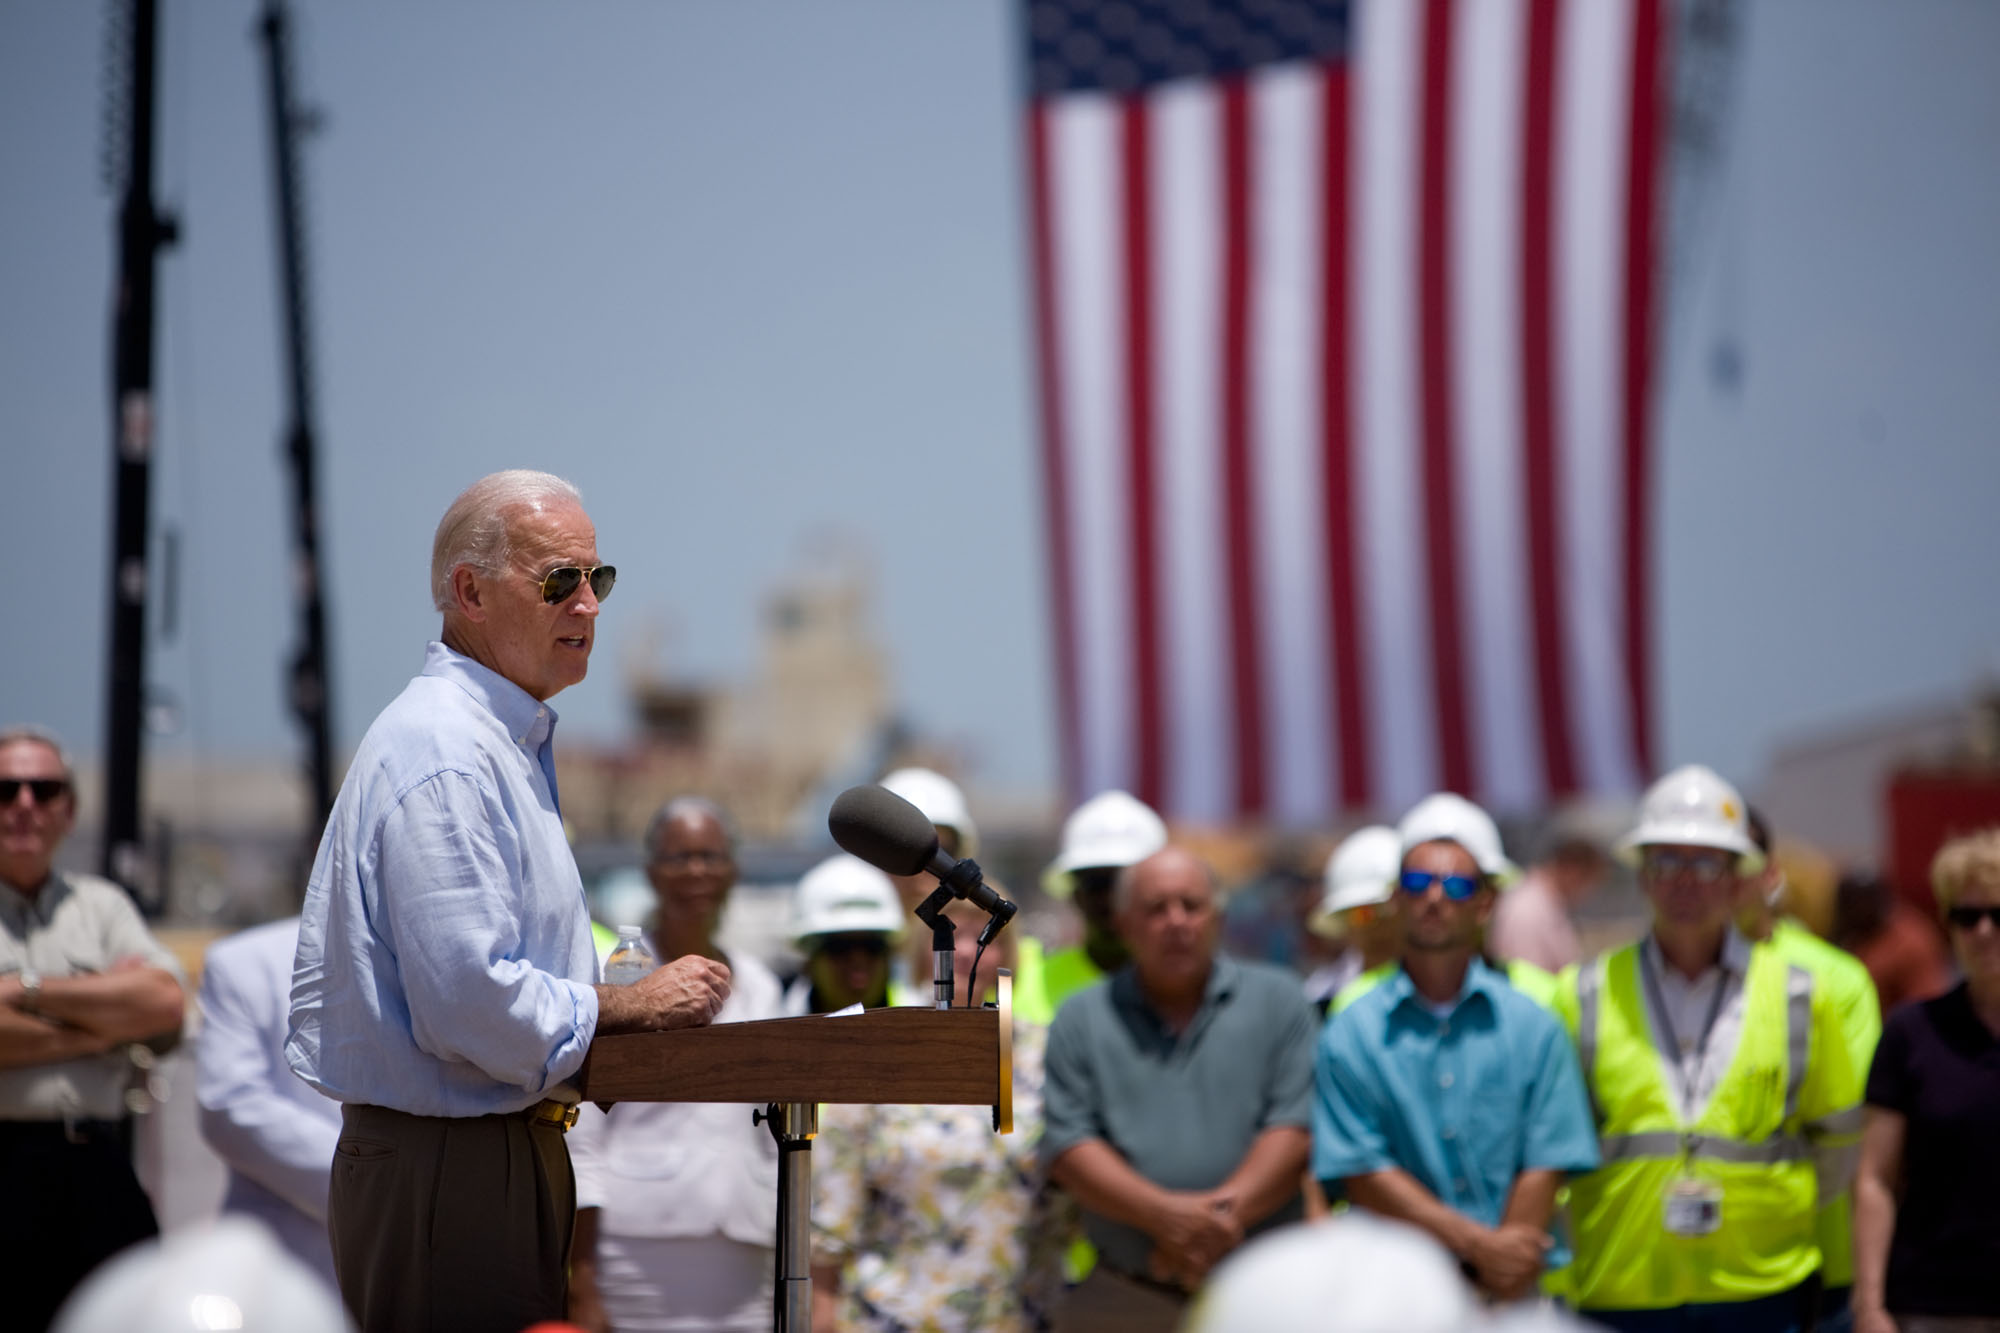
1124	45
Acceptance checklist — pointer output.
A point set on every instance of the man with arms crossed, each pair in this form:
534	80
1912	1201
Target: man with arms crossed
82	983
1444	1096
444	984
1176	1103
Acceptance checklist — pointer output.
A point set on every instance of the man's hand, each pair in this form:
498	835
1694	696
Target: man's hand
686	993
1508	1259
1192	1233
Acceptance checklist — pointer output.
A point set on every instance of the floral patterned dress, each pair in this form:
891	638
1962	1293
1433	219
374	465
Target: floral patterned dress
937	1223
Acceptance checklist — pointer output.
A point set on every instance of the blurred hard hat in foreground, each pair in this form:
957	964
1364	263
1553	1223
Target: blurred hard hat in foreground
1355	1272
232	1274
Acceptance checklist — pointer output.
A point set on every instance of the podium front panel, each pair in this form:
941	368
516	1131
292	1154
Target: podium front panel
904	1055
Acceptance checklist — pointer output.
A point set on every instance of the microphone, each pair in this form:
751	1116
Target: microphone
892	835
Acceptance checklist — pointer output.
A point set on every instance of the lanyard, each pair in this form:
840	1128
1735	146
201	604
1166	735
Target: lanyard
1699	1054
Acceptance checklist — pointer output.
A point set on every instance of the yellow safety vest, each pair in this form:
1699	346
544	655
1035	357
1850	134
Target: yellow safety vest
1852	992
1066	972
1526	978
1031	983
1786	1091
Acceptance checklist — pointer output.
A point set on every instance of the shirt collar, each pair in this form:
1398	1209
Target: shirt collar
1480	980
528	720
1223	974
1735	955
39	904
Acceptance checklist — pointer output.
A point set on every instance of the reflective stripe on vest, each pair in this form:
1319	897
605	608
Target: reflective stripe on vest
1666	1143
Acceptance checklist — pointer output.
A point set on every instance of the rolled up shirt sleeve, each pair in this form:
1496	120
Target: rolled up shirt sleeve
1559	1134
1347	1122
1069	1096
453	897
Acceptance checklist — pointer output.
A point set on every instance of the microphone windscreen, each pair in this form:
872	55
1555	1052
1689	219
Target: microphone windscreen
883	829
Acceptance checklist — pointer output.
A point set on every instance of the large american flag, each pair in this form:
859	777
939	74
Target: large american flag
1346	319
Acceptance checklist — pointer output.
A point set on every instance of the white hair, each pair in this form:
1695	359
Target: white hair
27	734
474	530
686	807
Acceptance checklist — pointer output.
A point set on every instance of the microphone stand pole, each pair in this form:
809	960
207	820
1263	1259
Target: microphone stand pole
931	912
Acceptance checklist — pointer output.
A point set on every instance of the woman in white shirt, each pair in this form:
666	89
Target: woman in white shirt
675	1227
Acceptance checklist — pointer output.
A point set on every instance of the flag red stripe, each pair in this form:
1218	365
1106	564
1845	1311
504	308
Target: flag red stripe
1054	466
1641	223
1148	723
1238	503
1541	480
1440	512
1336	426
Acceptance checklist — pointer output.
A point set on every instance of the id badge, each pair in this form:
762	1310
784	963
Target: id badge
1694	1208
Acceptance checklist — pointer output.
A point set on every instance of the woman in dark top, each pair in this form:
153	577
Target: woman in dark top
1927	1197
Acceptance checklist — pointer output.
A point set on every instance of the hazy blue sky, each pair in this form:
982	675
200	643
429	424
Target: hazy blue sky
751	272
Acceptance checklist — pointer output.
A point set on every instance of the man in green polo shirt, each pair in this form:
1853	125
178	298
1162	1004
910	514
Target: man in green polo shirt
1178	1101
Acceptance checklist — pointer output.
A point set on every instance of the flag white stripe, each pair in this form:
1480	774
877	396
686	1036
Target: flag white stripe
1485	194
1187	247
1384	211
1285	438
1593	94
1085	221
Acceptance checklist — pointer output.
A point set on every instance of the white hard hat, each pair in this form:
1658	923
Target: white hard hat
1693	807
844	893
231	1274
1446	817
1356	1272
941	802
1361	871
1112	829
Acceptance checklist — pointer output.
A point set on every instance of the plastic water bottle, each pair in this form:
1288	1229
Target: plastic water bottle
630	959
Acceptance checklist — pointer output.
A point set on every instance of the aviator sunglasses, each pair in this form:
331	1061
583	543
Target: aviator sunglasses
1968	918
560	584
41	791
1458	888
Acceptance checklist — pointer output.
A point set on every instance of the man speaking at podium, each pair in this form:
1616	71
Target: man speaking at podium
444	986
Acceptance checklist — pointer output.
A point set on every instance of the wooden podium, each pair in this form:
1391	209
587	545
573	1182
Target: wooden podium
938	1057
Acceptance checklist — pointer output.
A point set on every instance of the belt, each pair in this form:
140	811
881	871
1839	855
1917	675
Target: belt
1150	1283
549	1111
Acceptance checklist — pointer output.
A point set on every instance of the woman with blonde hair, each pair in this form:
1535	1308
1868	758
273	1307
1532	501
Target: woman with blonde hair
1926	1231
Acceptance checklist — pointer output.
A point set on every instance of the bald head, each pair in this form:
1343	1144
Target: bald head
1167	914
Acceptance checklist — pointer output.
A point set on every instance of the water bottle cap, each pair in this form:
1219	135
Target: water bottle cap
628	932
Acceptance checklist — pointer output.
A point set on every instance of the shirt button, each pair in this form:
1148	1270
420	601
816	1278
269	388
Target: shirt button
1444	1080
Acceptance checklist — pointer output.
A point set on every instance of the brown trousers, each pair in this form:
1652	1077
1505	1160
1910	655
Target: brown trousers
450	1225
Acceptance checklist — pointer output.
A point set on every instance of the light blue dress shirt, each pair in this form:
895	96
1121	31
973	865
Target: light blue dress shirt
445	962
1464	1102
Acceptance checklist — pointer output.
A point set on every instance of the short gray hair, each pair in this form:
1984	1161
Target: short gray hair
25	733
1121	887
685	807
474	530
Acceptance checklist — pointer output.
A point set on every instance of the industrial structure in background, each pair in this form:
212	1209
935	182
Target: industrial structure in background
310	690
132	56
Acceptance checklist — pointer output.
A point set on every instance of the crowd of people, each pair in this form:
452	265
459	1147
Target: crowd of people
1457	1114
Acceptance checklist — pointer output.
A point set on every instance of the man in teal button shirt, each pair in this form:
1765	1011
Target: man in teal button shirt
1445	1097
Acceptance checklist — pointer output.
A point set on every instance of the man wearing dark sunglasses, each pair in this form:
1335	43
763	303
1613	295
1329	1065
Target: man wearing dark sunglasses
1722	1087
82	985
1445	1096
445	986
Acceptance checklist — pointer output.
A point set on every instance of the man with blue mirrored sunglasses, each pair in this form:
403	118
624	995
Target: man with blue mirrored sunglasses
1444	1096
